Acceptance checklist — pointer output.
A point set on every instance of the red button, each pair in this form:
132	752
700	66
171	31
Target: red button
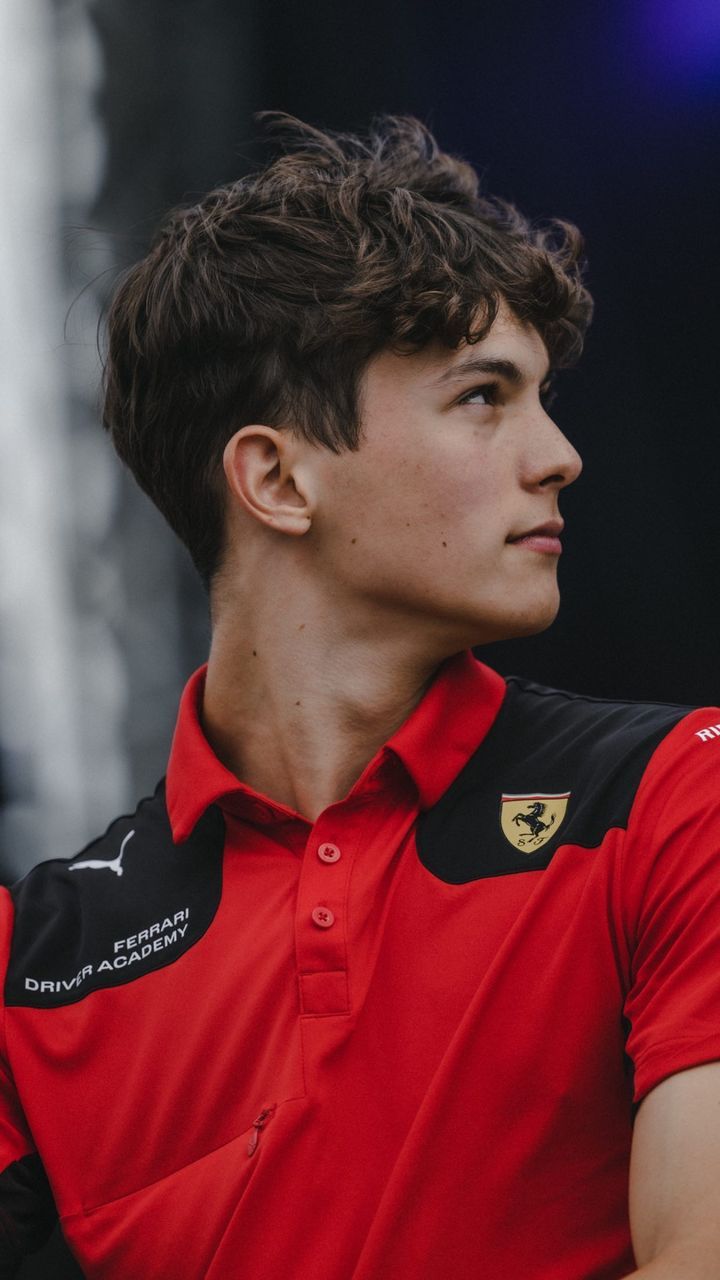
323	917
328	853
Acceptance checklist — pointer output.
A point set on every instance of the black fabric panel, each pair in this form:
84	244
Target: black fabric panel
74	925
53	1262
543	741
27	1212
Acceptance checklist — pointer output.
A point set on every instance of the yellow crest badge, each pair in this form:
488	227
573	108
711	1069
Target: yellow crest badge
528	822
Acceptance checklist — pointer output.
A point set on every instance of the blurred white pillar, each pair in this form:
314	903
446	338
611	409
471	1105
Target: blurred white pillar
50	769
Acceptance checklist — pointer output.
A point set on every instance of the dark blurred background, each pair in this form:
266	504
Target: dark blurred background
605	114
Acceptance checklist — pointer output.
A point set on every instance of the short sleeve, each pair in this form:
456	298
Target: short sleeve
671	901
27	1210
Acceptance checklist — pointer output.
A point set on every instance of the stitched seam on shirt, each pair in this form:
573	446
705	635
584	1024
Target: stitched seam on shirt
662	1045
333	1013
588	697
345	1013
651	840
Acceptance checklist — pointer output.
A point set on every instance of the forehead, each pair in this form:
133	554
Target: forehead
438	368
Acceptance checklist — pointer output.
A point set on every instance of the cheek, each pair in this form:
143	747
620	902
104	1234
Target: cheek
436	525
460	500
417	506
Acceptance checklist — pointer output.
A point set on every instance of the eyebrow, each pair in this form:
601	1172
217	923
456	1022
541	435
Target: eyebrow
506	369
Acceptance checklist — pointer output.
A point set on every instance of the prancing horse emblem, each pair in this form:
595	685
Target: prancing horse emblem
529	821
95	864
532	818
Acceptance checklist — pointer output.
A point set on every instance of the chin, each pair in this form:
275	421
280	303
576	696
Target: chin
531	628
516	624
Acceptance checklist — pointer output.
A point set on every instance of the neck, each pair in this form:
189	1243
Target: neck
297	706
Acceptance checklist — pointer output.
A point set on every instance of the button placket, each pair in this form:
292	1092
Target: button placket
321	920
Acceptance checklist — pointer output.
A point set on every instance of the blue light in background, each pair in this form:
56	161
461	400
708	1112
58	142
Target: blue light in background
682	38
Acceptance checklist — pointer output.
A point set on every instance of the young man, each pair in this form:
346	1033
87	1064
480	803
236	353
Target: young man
405	970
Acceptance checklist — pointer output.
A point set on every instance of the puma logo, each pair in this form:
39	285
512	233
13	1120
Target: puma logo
114	864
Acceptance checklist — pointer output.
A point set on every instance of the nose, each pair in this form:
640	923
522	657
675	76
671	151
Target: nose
552	462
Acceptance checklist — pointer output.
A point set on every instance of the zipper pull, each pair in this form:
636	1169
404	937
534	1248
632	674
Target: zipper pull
257	1126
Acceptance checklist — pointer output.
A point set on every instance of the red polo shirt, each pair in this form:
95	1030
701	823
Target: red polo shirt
402	1041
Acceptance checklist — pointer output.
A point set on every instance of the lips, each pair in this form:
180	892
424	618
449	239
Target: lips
544	537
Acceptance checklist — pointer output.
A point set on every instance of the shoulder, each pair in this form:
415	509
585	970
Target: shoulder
612	752
569	761
678	799
73	916
561	717
560	741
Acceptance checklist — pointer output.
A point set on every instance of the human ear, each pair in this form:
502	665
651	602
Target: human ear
262	467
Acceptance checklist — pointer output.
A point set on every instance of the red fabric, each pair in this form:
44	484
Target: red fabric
434	743
439	1079
15	1139
671	907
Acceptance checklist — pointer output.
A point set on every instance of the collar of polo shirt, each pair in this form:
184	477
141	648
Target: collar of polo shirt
433	745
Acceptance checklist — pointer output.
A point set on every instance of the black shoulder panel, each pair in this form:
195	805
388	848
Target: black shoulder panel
130	903
544	744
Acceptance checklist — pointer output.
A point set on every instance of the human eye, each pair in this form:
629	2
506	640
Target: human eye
548	394
488	391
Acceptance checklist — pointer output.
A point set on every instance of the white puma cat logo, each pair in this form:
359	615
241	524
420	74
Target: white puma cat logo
115	864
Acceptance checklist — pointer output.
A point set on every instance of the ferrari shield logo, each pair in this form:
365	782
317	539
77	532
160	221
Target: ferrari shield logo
528	822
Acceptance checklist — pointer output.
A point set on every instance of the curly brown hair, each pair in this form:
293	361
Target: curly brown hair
265	302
